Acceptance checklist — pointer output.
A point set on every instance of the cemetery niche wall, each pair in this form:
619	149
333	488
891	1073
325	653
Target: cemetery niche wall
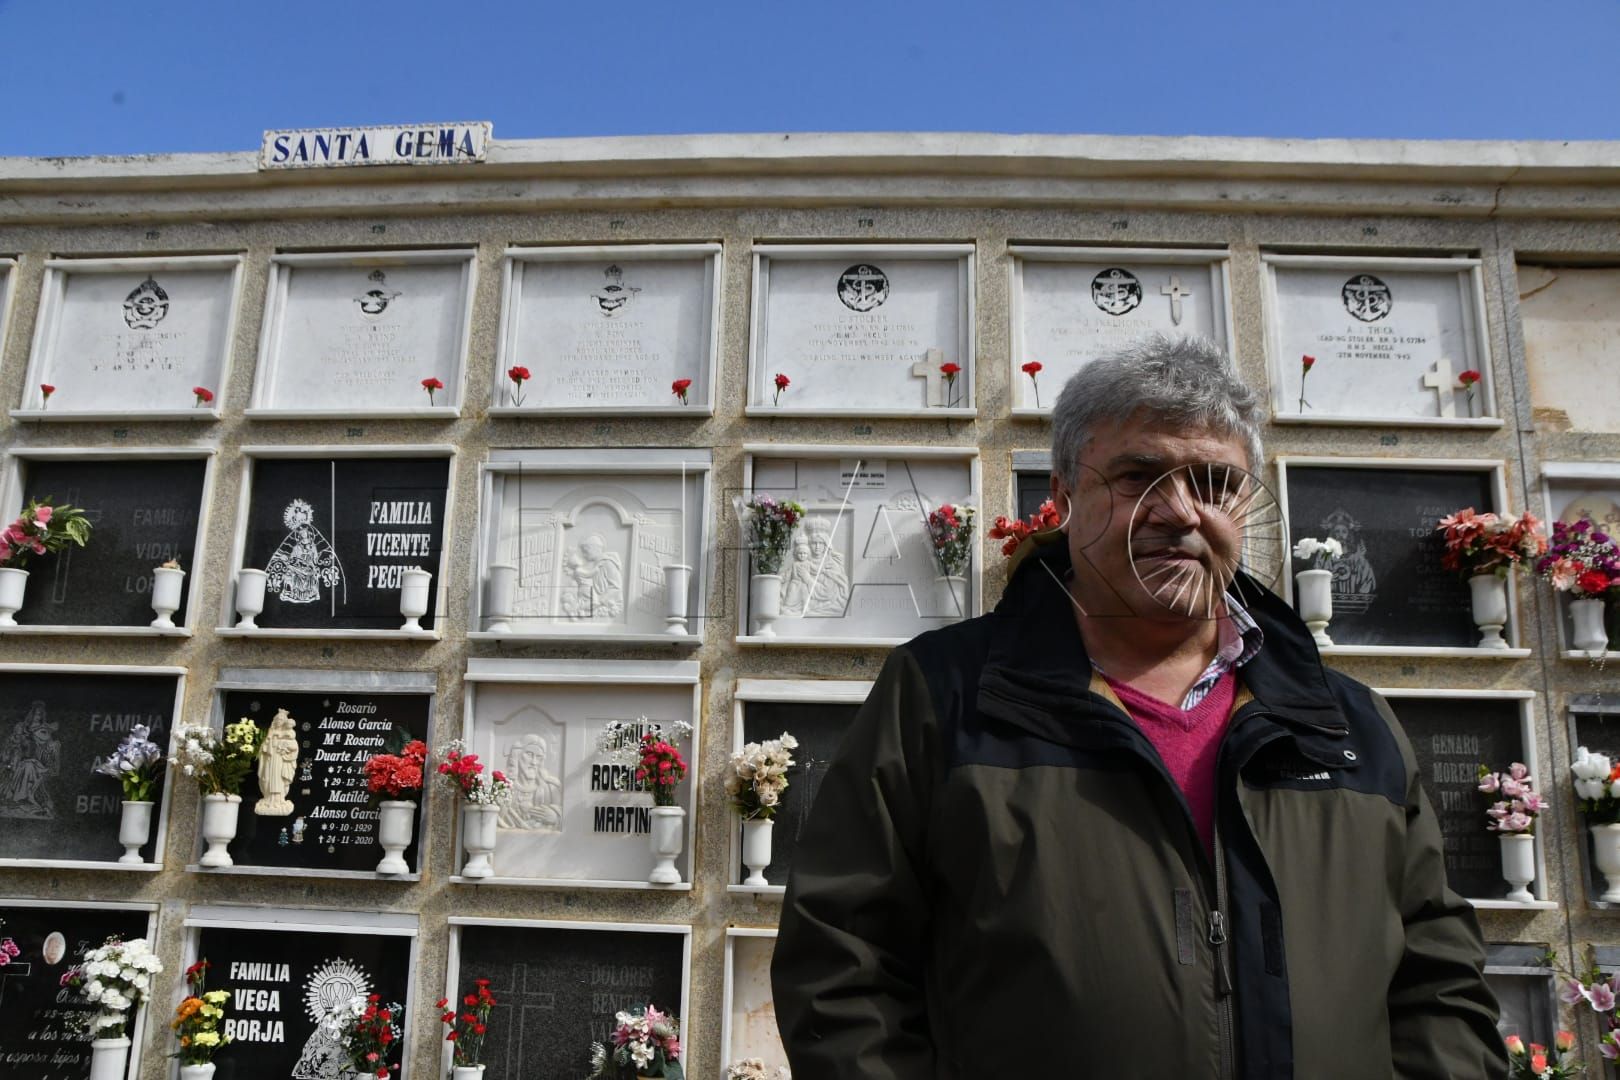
594	545
862	330
1393	341
815	712
121	339
1572	491
612	329
146	508
1069	306
1390	593
750	1029
862	567
289	972
1453	733
575	816
1571	320
559	985
357	334
56	722
38	1039
331	538
321	821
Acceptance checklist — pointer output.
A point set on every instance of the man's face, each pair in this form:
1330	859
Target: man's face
1167	555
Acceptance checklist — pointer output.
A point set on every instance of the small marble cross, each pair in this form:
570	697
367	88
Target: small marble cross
1444	384
1175	292
928	368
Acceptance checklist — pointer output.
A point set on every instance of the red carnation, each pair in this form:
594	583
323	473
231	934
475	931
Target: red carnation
950	371
1032	369
1305	365
431	384
679	388
519	375
204	396
1307	362
1593	583
441	1003
46	390
782	383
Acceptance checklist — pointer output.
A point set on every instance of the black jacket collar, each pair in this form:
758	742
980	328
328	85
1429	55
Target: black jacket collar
1038	659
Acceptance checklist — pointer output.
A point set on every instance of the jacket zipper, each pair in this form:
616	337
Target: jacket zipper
1223	976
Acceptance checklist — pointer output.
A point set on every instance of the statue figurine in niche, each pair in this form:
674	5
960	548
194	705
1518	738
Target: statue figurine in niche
816	583
1355	586
597	576
31	755
535	804
304	561
278	763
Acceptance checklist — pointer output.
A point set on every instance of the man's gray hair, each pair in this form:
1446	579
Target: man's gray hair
1181	382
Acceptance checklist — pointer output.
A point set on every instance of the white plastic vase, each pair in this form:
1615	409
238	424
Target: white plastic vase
756	849
1606	854
396	823
667	838
498	598
1489	594
466	1072
1519	865
413	598
197	1072
108	1058
478	832
1313	594
765	603
219	814
951	596
1586	618
677	581
249	597
134	829
13	583
166	585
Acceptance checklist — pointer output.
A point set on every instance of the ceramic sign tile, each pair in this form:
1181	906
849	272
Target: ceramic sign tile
570	815
1075	305
1571	318
132	337
862	564
1391	340
862	331
357	334
591	552
601	330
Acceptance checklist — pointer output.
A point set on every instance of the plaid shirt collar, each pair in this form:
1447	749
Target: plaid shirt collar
1240	641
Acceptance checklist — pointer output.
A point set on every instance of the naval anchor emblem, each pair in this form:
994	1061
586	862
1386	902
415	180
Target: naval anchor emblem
1116	291
863	287
614	295
1367	298
375	301
146	306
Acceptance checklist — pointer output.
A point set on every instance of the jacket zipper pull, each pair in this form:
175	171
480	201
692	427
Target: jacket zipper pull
1217	938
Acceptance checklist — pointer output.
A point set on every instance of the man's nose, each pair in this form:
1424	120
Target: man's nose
1171	503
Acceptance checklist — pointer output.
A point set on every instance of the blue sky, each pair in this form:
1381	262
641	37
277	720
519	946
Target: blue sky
89	77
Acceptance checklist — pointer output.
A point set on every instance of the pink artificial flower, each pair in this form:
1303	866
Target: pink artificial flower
1565	1041
1515	1045
1601	997
1490	783
1518	770
1511	788
42	514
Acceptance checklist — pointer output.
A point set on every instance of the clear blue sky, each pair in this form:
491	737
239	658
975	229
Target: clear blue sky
88	76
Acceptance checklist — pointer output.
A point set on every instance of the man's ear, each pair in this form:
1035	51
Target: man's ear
1060	497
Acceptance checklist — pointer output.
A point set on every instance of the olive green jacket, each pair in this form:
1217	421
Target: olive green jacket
999	879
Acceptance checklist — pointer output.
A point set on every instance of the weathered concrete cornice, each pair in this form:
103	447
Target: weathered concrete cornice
1454	179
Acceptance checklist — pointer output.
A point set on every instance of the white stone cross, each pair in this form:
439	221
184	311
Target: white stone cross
928	368
1442	382
1175	292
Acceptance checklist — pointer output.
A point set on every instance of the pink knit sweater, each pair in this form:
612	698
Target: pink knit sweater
1189	741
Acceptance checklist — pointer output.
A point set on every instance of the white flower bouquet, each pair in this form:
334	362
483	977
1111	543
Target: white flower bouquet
116	978
758	776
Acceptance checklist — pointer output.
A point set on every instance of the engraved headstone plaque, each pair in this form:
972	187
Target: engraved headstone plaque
1391	339
610	329
1073	305
558	989
1389	587
862	330
357	334
143	513
54	726
127	337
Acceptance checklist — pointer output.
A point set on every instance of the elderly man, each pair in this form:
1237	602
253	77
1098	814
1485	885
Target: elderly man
1127	825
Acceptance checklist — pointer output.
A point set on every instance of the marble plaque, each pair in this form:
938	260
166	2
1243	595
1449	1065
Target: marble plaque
128	337
1571	320
1390	339
1075	305
606	330
591	548
861	331
751	1022
862	564
569	817
358	334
